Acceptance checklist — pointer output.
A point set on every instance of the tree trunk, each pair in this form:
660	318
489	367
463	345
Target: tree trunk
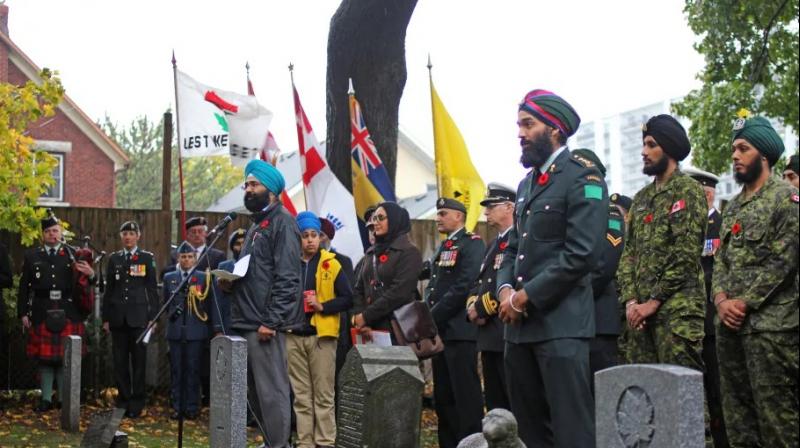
366	42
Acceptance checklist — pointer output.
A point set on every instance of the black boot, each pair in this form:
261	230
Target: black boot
44	406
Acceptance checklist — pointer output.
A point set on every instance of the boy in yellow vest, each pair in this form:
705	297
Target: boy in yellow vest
311	348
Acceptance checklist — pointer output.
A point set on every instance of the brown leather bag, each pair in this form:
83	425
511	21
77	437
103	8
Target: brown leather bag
413	326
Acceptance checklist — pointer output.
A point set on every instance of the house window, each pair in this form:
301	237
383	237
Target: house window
56	191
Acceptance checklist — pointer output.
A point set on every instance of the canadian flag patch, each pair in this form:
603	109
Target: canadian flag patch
678	206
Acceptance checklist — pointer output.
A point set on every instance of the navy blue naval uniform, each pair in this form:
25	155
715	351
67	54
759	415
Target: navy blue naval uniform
197	334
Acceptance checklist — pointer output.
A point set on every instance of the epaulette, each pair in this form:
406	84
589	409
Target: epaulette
144	252
582	161
474	236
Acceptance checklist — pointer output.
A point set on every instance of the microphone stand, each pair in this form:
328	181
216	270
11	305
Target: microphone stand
180	311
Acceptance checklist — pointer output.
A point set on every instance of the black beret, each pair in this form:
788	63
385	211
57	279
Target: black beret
195	221
50	220
186	248
451	204
236	235
368	214
621	200
497	193
592	157
669	134
129	225
705	178
794	164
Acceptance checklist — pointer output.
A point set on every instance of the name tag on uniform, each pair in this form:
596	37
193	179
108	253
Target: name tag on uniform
55	295
138	270
448	258
498	260
710	247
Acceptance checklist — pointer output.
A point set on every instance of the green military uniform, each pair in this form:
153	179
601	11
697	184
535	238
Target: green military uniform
758	263
560	219
661	260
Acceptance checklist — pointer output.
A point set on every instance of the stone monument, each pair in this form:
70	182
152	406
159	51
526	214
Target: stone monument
499	431
380	398
649	406
71	395
228	413
102	431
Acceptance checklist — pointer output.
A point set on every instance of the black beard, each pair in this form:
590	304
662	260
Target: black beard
751	173
256	202
535	152
657	168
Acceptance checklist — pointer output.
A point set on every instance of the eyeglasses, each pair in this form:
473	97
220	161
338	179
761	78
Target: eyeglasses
251	183
378	218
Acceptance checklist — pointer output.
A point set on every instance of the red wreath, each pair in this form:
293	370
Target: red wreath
543	178
448	244
264	224
383	258
503	245
736	229
326	265
648	219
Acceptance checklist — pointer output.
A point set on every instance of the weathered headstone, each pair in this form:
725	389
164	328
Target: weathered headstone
71	395
102	431
499	430
380	398
649	406
228	413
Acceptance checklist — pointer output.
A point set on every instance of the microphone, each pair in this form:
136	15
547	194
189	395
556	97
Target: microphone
222	224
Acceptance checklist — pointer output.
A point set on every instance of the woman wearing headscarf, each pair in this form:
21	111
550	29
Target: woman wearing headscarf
392	265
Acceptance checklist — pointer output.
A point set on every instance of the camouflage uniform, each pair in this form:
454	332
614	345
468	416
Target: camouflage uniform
758	364
661	261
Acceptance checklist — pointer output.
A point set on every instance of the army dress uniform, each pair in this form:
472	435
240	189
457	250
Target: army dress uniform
456	386
758	263
129	303
196	314
603	350
559	221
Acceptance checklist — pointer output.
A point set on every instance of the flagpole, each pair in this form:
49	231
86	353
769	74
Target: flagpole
301	149
180	158
433	125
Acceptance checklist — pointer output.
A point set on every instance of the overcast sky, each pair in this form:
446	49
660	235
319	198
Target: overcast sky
604	57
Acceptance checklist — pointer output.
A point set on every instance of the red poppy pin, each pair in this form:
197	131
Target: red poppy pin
194	279
264	224
383	258
648	219
326	265
135	257
543	178
503	245
736	229
448	244
61	252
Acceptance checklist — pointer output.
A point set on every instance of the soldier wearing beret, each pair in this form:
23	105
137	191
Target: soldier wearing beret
196	234
756	292
545	278
482	305
660	275
129	303
711	375
456	385
792	171
191	313
55	296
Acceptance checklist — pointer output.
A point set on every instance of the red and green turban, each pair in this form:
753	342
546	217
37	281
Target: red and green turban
552	110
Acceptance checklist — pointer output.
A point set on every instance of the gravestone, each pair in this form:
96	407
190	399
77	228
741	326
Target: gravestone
380	398
228	413
102	431
649	406
71	395
498	430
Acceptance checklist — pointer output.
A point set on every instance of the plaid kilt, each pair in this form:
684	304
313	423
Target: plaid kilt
48	347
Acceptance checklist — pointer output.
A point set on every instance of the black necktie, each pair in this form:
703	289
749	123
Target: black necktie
127	257
52	251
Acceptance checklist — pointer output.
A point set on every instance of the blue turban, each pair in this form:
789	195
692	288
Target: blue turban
268	175
308	220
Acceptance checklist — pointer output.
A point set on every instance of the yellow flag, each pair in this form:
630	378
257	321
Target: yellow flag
455	174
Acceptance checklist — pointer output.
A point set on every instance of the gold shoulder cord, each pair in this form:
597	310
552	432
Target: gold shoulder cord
195	297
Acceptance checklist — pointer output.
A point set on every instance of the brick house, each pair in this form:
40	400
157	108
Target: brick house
88	158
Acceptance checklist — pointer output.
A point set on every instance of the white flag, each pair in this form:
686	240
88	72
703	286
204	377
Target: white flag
216	122
325	194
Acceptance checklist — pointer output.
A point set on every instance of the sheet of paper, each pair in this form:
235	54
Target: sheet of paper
225	275
379	338
146	339
240	268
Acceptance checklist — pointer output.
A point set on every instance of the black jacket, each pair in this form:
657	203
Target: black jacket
131	294
269	294
484	296
387	281
559	221
41	274
197	329
454	267
604	283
